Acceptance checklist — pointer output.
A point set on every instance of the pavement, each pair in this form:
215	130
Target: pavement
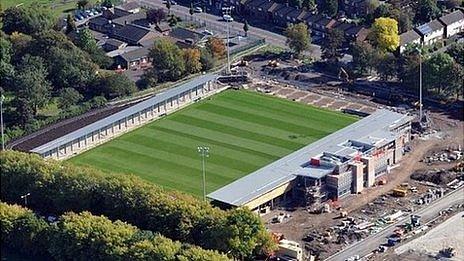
215	22
372	242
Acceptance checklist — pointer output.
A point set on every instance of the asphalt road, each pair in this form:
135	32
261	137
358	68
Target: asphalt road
372	242
216	22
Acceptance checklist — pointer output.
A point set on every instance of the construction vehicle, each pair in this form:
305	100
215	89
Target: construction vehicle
289	250
273	63
342	74
415	220
400	192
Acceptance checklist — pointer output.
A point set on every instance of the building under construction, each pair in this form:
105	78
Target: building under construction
344	162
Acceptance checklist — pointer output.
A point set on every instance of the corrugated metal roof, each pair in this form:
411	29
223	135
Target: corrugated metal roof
124	113
287	168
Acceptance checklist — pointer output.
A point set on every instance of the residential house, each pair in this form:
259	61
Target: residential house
322	26
312	19
133	34
408	38
139	19
163	28
431	32
453	22
113	44
343	27
101	24
133	59
280	15
357	33
269	7
297	16
187	36
255	9
355	8
132	7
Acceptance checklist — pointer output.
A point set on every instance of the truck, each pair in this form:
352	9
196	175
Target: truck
400	192
289	250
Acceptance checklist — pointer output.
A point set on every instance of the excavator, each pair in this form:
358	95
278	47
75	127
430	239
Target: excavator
342	74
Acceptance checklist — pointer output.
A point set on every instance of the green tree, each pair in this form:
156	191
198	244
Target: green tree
409	69
425	10
114	85
329	7
296	3
216	47
456	80
169	65
298	38
28	20
456	50
309	5
436	72
155	16
246	28
385	34
6	68
69	97
70	24
31	82
168	6
107	3
82	4
387	67
206	59
364	58
87	42
331	46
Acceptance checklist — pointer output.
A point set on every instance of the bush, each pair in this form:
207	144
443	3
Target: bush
58	187
87	237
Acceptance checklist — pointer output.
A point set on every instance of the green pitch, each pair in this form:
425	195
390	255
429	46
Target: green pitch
244	130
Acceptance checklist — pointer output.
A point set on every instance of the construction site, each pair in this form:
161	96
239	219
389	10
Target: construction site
431	168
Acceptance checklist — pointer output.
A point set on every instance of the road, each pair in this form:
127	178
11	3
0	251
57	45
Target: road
372	242
216	23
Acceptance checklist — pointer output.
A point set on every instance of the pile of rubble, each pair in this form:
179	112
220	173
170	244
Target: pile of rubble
448	155
438	177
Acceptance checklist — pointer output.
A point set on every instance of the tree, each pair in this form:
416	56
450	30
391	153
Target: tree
82	4
456	50
114	85
364	58
107	3
331	46
296	3
329	7
192	60
27	20
69	97
309	5
6	68
387	66
246	28
206	59
87	42
155	16
21	44
456	80
169	65
298	38
385	34
426	10
409	69
216	47
70	24
437	70
31	82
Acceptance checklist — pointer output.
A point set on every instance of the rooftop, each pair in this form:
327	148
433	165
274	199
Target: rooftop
408	37
430	27
453	17
130	32
370	129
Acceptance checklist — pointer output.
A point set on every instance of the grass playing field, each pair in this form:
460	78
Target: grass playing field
244	130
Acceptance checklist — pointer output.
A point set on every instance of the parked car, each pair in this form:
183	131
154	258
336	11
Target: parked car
228	18
207	32
197	9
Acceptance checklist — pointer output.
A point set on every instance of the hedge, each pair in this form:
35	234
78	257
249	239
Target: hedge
58	187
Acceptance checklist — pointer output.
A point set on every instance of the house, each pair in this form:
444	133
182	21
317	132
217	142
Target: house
322	26
453	22
187	36
163	28
113	44
133	35
255	10
133	59
137	18
297	16
431	32
269	7
100	24
408	38
280	15
355	8
312	19
357	33
343	27
130	6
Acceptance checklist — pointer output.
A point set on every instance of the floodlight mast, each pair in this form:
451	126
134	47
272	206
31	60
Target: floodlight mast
227	11
204	153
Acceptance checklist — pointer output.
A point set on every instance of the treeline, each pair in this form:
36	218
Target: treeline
42	69
58	187
87	237
173	63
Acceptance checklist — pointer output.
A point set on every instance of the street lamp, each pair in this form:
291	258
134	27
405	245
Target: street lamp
25	198
204	153
227	11
2	98
419	51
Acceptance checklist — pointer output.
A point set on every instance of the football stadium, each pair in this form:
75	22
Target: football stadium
262	149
